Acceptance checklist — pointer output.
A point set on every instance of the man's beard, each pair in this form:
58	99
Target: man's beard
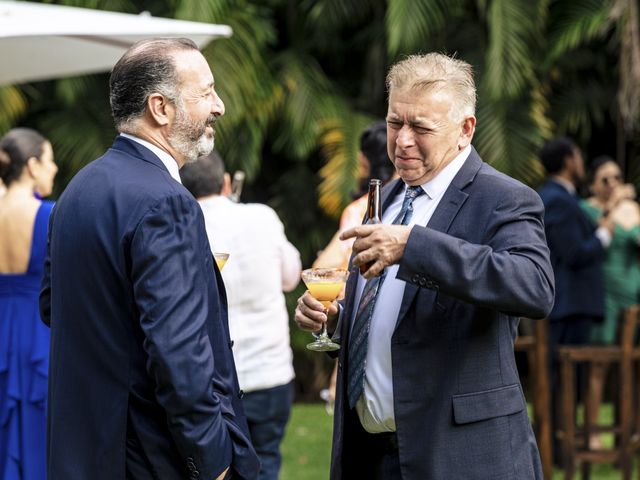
189	137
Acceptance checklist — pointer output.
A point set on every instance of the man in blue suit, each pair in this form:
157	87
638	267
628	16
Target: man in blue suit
142	380
577	252
427	386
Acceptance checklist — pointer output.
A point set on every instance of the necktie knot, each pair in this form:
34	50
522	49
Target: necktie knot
407	205
413	192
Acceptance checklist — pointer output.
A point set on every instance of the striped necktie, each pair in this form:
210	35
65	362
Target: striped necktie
359	338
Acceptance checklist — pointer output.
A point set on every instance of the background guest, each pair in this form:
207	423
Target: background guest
613	199
262	264
27	168
577	249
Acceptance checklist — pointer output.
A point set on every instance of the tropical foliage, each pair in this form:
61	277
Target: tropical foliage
302	78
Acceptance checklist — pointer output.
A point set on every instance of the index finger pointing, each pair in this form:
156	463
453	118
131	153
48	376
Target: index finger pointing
360	231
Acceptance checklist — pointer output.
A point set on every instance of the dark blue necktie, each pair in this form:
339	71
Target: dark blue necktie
359	338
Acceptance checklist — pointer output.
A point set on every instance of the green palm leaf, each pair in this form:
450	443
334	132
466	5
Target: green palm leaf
576	23
14	105
508	138
339	146
509	63
411	23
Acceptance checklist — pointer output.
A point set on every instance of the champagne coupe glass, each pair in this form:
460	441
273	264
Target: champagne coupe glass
324	284
221	259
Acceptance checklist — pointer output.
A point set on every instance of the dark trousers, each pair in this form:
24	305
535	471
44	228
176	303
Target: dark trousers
374	456
267	413
574	330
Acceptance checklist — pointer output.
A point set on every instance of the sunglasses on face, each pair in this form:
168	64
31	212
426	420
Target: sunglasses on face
611	178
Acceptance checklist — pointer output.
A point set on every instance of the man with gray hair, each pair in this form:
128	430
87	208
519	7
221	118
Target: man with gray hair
142	381
427	385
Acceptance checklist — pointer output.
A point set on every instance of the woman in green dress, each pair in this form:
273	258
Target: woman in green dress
613	199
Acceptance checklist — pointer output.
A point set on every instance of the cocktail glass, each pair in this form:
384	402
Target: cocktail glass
324	284
221	259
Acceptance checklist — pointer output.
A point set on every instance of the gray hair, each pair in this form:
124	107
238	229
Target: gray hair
437	71
148	67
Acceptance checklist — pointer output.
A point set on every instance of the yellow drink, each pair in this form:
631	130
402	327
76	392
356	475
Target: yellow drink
221	259
220	263
326	292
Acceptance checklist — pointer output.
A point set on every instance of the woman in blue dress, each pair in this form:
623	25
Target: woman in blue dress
27	169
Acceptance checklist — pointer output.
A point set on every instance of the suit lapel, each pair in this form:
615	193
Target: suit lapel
449	206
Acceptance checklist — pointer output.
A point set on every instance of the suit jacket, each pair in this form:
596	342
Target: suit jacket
142	381
479	264
576	255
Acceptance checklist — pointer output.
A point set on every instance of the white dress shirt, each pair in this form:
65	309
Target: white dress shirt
375	406
165	158
262	263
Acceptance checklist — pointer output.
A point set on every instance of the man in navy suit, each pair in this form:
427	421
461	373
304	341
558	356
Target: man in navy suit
462	254
577	252
142	382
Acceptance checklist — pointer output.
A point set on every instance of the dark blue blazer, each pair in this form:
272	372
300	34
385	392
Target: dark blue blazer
142	382
480	263
576	255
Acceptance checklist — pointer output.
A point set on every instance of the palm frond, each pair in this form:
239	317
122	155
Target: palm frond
14	105
334	14
508	138
339	144
573	24
307	101
409	23
509	59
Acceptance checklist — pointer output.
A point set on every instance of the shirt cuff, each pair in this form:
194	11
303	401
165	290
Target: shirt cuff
604	236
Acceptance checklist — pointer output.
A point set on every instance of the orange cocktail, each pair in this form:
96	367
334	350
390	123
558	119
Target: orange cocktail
324	284
325	292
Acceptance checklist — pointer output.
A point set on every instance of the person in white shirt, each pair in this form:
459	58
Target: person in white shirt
261	265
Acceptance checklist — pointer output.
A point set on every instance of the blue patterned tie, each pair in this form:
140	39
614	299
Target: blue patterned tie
359	338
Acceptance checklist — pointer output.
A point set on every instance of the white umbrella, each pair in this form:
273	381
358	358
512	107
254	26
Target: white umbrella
40	41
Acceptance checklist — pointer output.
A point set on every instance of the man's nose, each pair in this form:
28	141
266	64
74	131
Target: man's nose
218	106
405	136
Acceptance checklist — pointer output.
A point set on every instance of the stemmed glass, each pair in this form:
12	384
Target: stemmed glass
324	284
221	259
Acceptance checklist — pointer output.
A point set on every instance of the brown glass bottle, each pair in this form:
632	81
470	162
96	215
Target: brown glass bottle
374	215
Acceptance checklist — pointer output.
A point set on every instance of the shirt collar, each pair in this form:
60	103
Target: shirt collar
165	158
435	187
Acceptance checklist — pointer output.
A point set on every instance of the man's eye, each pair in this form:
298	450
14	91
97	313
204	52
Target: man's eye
395	125
420	130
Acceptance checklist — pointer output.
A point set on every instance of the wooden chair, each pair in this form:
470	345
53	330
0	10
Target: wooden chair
533	341
624	358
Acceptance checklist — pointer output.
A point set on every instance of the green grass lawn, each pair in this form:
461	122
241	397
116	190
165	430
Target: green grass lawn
306	449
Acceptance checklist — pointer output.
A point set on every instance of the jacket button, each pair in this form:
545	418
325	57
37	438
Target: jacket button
429	284
231	344
415	278
240	394
422	282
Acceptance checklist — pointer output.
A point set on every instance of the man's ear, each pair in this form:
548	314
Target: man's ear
467	131
160	109
226	185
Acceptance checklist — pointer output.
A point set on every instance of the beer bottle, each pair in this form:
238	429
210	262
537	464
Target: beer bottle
374	214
